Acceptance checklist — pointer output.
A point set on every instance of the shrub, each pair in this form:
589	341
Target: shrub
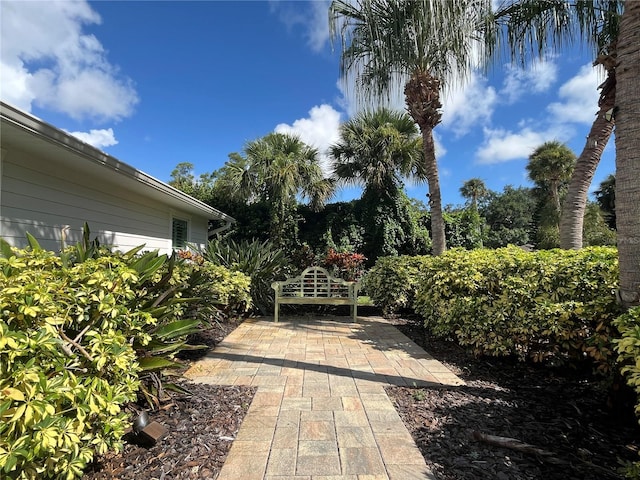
66	361
546	305
264	262
81	334
628	349
219	291
345	265
393	281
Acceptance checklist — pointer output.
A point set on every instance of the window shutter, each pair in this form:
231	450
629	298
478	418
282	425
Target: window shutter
179	234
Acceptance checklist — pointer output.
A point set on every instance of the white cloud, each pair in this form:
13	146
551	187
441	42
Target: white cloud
47	61
578	104
504	145
97	138
312	16
319	130
579	98
537	78
441	151
468	105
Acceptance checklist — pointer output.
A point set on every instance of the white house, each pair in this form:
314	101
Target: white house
51	183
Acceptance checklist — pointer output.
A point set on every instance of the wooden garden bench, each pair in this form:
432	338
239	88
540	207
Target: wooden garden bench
315	286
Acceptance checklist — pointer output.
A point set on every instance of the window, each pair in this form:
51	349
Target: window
179	233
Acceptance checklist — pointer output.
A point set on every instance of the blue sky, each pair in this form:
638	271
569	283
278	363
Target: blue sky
156	83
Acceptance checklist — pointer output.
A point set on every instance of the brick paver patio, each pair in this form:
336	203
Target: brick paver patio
320	411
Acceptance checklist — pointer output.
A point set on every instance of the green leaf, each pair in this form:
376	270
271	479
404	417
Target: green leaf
176	388
177	329
33	243
150	364
5	249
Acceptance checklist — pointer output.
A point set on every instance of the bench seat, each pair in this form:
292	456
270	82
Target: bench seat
315	286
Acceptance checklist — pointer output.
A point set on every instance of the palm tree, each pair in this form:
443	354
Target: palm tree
376	150
532	28
474	190
276	169
550	165
421	44
628	156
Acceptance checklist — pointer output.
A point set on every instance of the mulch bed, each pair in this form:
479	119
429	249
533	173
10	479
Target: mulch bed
561	416
201	428
559	420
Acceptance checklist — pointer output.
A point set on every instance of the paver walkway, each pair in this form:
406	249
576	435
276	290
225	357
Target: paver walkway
320	411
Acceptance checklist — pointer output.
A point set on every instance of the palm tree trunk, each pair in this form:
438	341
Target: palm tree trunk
438	241
628	155
572	218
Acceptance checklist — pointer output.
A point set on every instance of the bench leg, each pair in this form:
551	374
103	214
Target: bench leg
354	311
276	312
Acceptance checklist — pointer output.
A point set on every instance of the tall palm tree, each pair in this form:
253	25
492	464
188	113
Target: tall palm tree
550	165
276	169
421	44
606	199
628	155
533	28
474	190
377	149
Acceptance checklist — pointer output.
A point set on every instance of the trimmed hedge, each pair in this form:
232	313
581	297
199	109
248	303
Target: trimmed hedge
392	282
544	305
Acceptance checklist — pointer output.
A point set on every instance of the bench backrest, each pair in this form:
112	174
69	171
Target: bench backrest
315	282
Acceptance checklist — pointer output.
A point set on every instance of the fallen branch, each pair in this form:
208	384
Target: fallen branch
513	444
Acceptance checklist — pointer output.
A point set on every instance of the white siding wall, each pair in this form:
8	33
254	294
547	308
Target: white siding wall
39	198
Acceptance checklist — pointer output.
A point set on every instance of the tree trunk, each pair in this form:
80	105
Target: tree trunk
572	217
628	155
422	95
438	240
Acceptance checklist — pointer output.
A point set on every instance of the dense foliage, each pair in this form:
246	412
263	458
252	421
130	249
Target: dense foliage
628	349
67	364
547	305
263	262
85	332
392	282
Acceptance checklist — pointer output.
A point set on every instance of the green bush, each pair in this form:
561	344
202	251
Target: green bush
628	349
85	332
546	305
67	364
393	281
220	292
264	262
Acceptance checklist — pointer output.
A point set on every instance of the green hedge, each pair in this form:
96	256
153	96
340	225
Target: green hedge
628	349
392	282
552	304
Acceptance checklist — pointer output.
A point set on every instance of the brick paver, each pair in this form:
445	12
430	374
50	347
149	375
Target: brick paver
320	411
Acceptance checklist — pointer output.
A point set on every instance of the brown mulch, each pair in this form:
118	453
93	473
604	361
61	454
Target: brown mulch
561	416
558	418
201	428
